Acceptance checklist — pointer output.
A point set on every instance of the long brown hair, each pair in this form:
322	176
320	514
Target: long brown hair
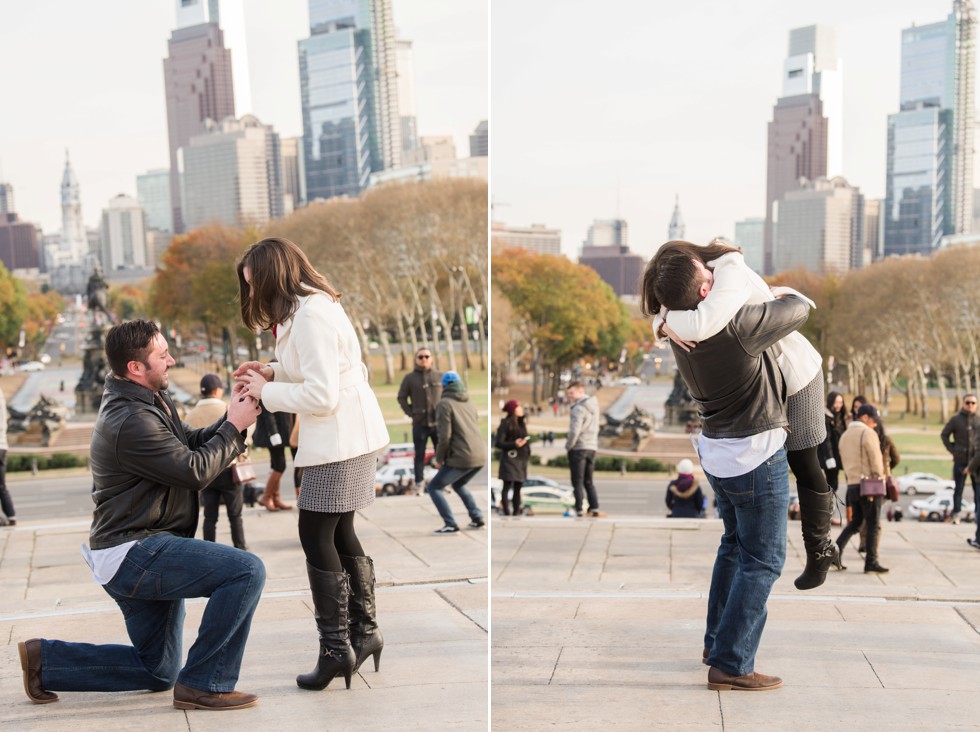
670	278
280	273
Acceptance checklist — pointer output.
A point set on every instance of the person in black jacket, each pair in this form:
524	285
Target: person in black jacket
148	468
272	430
515	452
959	437
418	396
829	453
684	498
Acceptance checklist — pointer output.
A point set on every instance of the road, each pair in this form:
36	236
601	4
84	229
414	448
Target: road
43	498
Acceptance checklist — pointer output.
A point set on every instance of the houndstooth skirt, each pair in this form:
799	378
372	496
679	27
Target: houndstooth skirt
805	412
339	487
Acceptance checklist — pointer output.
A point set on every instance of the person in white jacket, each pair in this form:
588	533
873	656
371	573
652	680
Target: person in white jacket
320	377
734	284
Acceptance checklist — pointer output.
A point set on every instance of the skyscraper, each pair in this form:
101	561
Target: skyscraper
929	182
348	86
480	140
6	199
748	236
232	173
606	250
293	175
406	96
821	227
198	81
74	244
676	230
806	132
153	192
123	235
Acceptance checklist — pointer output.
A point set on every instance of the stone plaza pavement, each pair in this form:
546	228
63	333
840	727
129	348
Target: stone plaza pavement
599	624
432	601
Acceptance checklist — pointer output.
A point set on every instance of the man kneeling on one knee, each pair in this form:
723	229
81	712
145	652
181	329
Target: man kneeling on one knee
148	468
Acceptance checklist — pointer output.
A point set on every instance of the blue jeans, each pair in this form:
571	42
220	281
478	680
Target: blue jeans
458	478
150	586
750	559
959	483
420	435
581	463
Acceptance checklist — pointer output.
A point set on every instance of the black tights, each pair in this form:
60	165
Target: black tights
807	471
325	536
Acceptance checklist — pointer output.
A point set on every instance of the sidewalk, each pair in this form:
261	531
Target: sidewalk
431	596
599	623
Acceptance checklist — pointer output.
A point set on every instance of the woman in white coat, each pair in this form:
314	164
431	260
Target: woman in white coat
318	375
733	284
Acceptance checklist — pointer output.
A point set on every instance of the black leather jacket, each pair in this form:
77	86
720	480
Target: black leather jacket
419	394
147	469
733	376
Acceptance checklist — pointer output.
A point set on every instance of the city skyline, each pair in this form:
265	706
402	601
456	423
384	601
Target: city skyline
102	88
603	118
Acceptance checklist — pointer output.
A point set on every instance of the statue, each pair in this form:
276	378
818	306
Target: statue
97	293
680	408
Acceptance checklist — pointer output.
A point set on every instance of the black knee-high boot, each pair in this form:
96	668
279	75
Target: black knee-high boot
331	595
365	637
821	552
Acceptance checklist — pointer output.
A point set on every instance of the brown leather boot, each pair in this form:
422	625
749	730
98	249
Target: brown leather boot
30	662
280	504
187	698
271	492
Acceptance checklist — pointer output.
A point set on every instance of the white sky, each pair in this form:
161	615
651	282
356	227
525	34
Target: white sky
612	108
88	76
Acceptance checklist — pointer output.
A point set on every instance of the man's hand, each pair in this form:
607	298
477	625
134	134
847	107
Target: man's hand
244	410
435	464
266	371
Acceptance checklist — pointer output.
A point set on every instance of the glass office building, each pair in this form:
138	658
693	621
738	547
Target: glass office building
349	96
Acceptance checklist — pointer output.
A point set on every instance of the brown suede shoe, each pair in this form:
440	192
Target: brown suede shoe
718	680
30	661
187	698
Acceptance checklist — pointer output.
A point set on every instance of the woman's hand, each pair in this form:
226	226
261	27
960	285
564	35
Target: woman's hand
520	441
266	371
250	384
681	343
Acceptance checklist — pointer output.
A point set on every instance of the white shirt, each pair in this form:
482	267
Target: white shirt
728	457
104	563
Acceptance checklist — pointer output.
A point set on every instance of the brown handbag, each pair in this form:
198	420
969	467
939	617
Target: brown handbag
242	472
891	488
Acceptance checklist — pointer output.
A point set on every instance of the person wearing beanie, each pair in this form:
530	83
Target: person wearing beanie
684	497
223	489
417	396
461	453
515	453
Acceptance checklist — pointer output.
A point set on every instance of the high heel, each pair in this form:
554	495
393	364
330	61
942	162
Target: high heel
365	636
821	552
331	597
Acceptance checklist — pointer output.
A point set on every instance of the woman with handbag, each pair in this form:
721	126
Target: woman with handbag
835	419
864	470
515	452
319	375
272	432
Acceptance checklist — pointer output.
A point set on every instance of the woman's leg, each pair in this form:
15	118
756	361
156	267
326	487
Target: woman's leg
517	497
505	494
816	507
316	534
345	538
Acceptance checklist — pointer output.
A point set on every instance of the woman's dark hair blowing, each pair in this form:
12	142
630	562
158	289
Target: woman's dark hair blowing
671	279
280	273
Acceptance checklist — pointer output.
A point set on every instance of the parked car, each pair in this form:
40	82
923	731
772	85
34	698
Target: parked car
32	366
398	478
938	507
915	483
404	451
630	381
546	499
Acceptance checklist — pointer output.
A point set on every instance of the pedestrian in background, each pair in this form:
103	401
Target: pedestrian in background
515	451
836	422
460	453
959	437
223	489
272	432
6	502
860	451
581	445
684	498
319	375
417	396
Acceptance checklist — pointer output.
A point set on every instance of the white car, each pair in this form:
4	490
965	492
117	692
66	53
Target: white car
397	478
938	507
915	483
32	366
546	499
630	381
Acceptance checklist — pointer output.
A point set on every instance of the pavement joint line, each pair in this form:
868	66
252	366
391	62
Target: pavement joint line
278	595
876	600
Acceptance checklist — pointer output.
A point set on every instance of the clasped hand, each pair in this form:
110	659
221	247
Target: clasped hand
251	377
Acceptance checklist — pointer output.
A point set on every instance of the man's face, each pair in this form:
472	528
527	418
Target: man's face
576	393
970	404
153	374
423	359
706	277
